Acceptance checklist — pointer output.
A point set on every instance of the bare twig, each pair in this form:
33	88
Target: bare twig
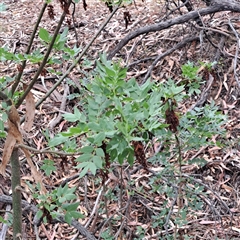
29	207
45	151
17	80
96	204
171	50
204	94
78	59
220	5
45	59
74	24
236	54
5	226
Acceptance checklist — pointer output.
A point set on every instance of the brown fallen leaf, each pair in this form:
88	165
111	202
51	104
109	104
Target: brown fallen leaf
30	110
7	152
14	136
36	175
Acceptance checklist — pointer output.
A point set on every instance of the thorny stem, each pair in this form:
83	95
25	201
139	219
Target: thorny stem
45	59
17	80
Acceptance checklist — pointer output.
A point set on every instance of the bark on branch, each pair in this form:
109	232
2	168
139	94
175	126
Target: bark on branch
216	6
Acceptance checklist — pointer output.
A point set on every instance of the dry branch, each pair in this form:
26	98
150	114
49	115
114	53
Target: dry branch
29	207
218	6
169	51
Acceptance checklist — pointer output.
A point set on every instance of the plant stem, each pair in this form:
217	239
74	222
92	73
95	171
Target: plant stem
45	59
16	196
17	80
78	59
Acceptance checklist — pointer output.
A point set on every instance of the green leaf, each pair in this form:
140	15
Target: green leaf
83	172
68	218
113	154
123	155
130	157
99	138
44	35
72	131
92	167
71	206
77	116
136	139
87	149
98	161
75	130
84	157
59	139
94	127
48	167
3	134
76	214
2	220
39	214
67	197
100	152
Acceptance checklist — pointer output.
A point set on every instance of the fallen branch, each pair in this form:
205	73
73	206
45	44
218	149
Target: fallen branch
29	207
218	6
171	50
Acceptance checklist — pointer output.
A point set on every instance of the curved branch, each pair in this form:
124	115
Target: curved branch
218	6
169	51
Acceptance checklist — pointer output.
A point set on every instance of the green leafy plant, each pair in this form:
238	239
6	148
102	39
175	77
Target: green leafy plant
60	201
48	166
115	113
